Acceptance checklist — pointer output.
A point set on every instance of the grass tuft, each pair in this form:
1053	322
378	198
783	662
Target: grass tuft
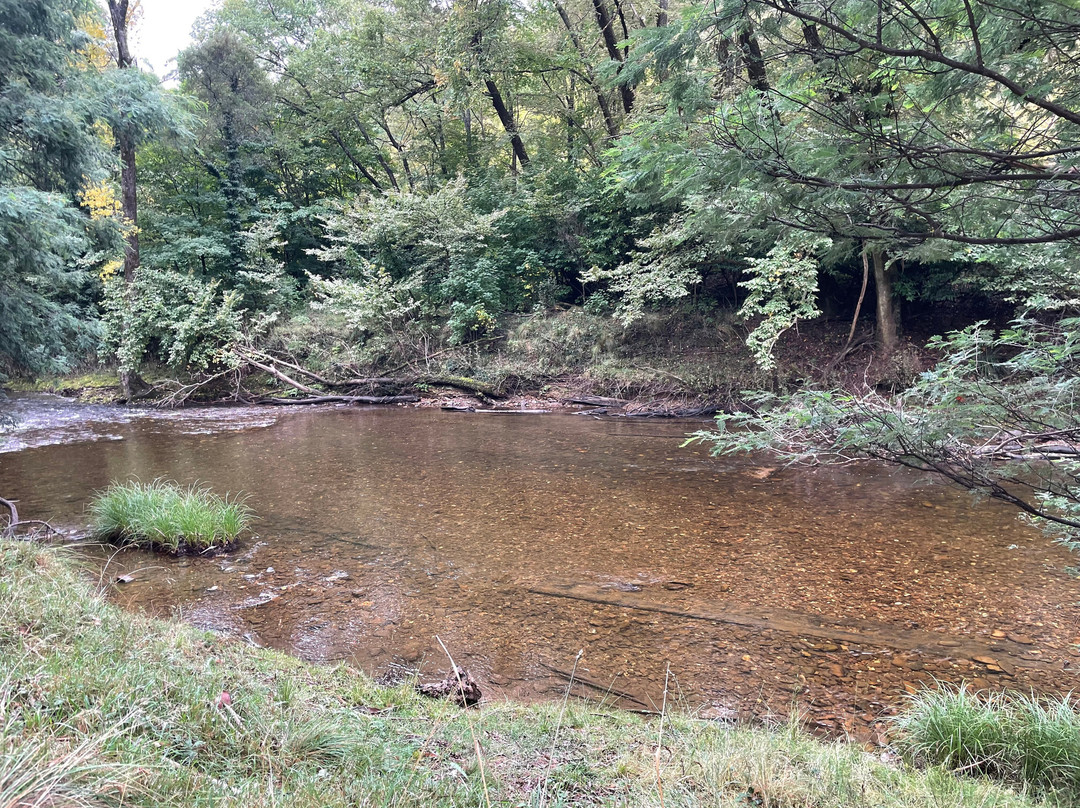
161	515
1011	737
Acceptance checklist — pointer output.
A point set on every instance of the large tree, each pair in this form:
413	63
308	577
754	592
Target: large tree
51	157
912	132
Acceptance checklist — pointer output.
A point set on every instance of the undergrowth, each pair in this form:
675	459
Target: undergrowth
100	706
1013	737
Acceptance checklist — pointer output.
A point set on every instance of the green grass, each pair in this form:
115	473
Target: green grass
162	515
104	707
1008	736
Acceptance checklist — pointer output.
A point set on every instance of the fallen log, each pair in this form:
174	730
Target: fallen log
858	632
509	411
268	364
667	412
341	399
596	401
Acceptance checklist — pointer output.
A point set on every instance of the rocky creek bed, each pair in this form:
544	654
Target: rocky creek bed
520	541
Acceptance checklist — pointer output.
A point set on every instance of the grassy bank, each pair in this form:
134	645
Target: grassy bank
102	707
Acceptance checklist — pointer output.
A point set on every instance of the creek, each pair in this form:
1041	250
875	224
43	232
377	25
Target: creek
518	540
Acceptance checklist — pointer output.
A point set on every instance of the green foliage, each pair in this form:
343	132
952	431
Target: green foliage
265	289
175	317
46	323
1007	736
782	289
49	103
162	515
997	415
650	279
374	305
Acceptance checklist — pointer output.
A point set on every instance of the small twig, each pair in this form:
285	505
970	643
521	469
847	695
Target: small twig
472	729
660	735
558	726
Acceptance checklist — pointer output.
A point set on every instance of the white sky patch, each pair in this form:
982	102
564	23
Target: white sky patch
164	30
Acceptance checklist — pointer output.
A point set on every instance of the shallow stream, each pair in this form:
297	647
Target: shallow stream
519	540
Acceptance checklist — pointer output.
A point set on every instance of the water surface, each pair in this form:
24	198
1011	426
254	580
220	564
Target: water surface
381	530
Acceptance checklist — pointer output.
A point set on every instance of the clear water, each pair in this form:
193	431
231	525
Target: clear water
381	530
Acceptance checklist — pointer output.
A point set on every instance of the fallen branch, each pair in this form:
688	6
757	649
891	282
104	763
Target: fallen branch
269	364
15	523
14	519
340	399
596	401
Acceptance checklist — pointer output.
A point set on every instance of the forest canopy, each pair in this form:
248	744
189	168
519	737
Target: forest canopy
443	164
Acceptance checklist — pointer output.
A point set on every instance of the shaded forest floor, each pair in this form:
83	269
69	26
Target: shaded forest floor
672	361
102	707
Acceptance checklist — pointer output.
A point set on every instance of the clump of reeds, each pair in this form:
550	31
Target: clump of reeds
162	515
1011	737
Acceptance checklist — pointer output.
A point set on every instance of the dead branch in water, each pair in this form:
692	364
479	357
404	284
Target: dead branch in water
339	399
13	520
15	523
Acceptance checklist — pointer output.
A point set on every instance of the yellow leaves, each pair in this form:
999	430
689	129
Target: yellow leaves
484	320
100	200
95	54
110	269
104	133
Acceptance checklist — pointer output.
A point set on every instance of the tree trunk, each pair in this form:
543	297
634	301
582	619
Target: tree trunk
888	325
129	202
118	15
601	98
507	121
130	381
755	61
662	14
607	30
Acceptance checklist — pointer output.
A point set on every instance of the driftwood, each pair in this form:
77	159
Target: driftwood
341	399
459	687
13	521
270	364
1006	654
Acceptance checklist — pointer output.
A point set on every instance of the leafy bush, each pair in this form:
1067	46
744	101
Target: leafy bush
175	316
162	515
1010	737
782	289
